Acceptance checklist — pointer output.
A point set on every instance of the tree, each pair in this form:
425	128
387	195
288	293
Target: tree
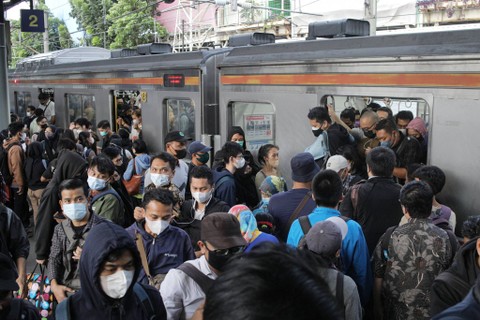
132	23
27	44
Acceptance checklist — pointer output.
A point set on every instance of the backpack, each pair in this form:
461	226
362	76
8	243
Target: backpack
5	231
306	225
354	196
4	170
63	309
104	193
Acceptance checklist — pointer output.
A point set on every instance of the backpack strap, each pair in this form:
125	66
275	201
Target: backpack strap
143	254
222	180
386	240
147	305
297	210
339	293
201	279
62	311
305	224
104	193
354	196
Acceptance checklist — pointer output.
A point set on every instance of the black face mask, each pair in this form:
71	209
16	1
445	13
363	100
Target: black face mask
218	261
44	126
369	134
317	132
180	154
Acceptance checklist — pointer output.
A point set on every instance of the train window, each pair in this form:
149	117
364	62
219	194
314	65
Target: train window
257	120
181	116
81	106
22	101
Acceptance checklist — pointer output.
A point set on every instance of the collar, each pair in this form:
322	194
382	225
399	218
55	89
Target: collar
326	211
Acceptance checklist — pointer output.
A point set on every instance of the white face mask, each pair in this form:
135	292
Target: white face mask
116	285
23	136
202	197
157	226
404	131
29	114
239	164
135	121
160	180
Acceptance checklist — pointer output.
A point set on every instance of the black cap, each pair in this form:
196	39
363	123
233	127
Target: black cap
8	274
222	230
175	136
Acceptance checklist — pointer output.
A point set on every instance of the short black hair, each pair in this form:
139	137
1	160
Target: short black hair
83	122
432	175
104	124
405	115
66	144
157	194
348	113
387	110
327	188
417	197
202	172
32	108
40	118
123	133
230	149
263	152
70	184
103	164
139	146
14	128
381	161
386	124
471	227
411	168
320	114
43	96
111	152
68	134
83	138
165	157
38	112
301	295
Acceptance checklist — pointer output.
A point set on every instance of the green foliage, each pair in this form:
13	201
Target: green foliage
27	44
131	23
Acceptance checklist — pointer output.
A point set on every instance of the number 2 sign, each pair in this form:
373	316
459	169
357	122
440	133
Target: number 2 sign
32	21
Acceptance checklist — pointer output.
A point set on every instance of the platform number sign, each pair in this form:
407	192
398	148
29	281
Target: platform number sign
32	20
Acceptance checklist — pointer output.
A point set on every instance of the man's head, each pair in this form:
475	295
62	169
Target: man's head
162	169
199	152
368	121
255	287
303	167
43	98
158	205
100	173
220	239
416	200
319	120
432	175
339	164
15	129
31	110
384	113
387	133
139	147
327	189
348	117
232	154
73	199
175	144
82	124
42	122
380	162
471	228
403	118
104	128
201	183
114	154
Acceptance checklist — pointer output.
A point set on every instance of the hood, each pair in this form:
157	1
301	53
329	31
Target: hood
220	172
465	263
143	161
69	165
102	239
35	150
239	130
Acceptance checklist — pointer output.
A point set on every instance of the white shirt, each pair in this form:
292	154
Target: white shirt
181	294
48	110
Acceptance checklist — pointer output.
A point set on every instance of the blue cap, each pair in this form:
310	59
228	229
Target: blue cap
303	167
197	146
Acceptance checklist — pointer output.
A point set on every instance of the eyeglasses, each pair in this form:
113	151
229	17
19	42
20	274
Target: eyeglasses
369	128
226	252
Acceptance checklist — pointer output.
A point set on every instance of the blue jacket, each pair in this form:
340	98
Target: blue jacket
468	309
168	250
225	189
354	252
90	302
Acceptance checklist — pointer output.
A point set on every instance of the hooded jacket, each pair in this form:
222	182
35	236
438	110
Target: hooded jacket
90	302
70	165
35	166
226	190
453	285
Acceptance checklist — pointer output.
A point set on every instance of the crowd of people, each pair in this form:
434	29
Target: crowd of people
126	234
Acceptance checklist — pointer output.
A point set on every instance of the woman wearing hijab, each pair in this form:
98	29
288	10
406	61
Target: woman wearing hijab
248	228
50	143
418	129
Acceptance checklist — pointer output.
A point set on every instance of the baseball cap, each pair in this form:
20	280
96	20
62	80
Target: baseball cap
8	274
197	146
175	136
222	230
324	238
336	163
303	167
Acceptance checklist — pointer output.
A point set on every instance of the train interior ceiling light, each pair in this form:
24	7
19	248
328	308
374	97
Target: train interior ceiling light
338	29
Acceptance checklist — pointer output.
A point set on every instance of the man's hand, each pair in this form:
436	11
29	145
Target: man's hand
139	213
60	290
77	253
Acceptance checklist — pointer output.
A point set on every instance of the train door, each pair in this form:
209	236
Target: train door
23	99
80	106
124	103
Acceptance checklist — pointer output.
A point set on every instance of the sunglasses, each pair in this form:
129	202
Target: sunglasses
226	252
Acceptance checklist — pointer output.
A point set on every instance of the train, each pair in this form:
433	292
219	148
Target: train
267	88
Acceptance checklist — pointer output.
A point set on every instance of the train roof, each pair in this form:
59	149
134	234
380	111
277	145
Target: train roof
461	42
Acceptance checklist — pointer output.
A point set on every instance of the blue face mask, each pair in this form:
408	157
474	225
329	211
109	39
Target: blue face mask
160	180
75	211
386	144
96	184
240	143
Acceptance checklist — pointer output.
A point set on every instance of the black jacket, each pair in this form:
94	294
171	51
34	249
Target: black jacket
35	166
13	238
338	136
70	165
190	225
453	285
90	302
377	209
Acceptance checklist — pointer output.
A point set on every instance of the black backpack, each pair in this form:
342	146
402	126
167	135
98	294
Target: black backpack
4	170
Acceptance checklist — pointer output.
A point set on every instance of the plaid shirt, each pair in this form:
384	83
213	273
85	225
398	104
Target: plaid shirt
60	244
